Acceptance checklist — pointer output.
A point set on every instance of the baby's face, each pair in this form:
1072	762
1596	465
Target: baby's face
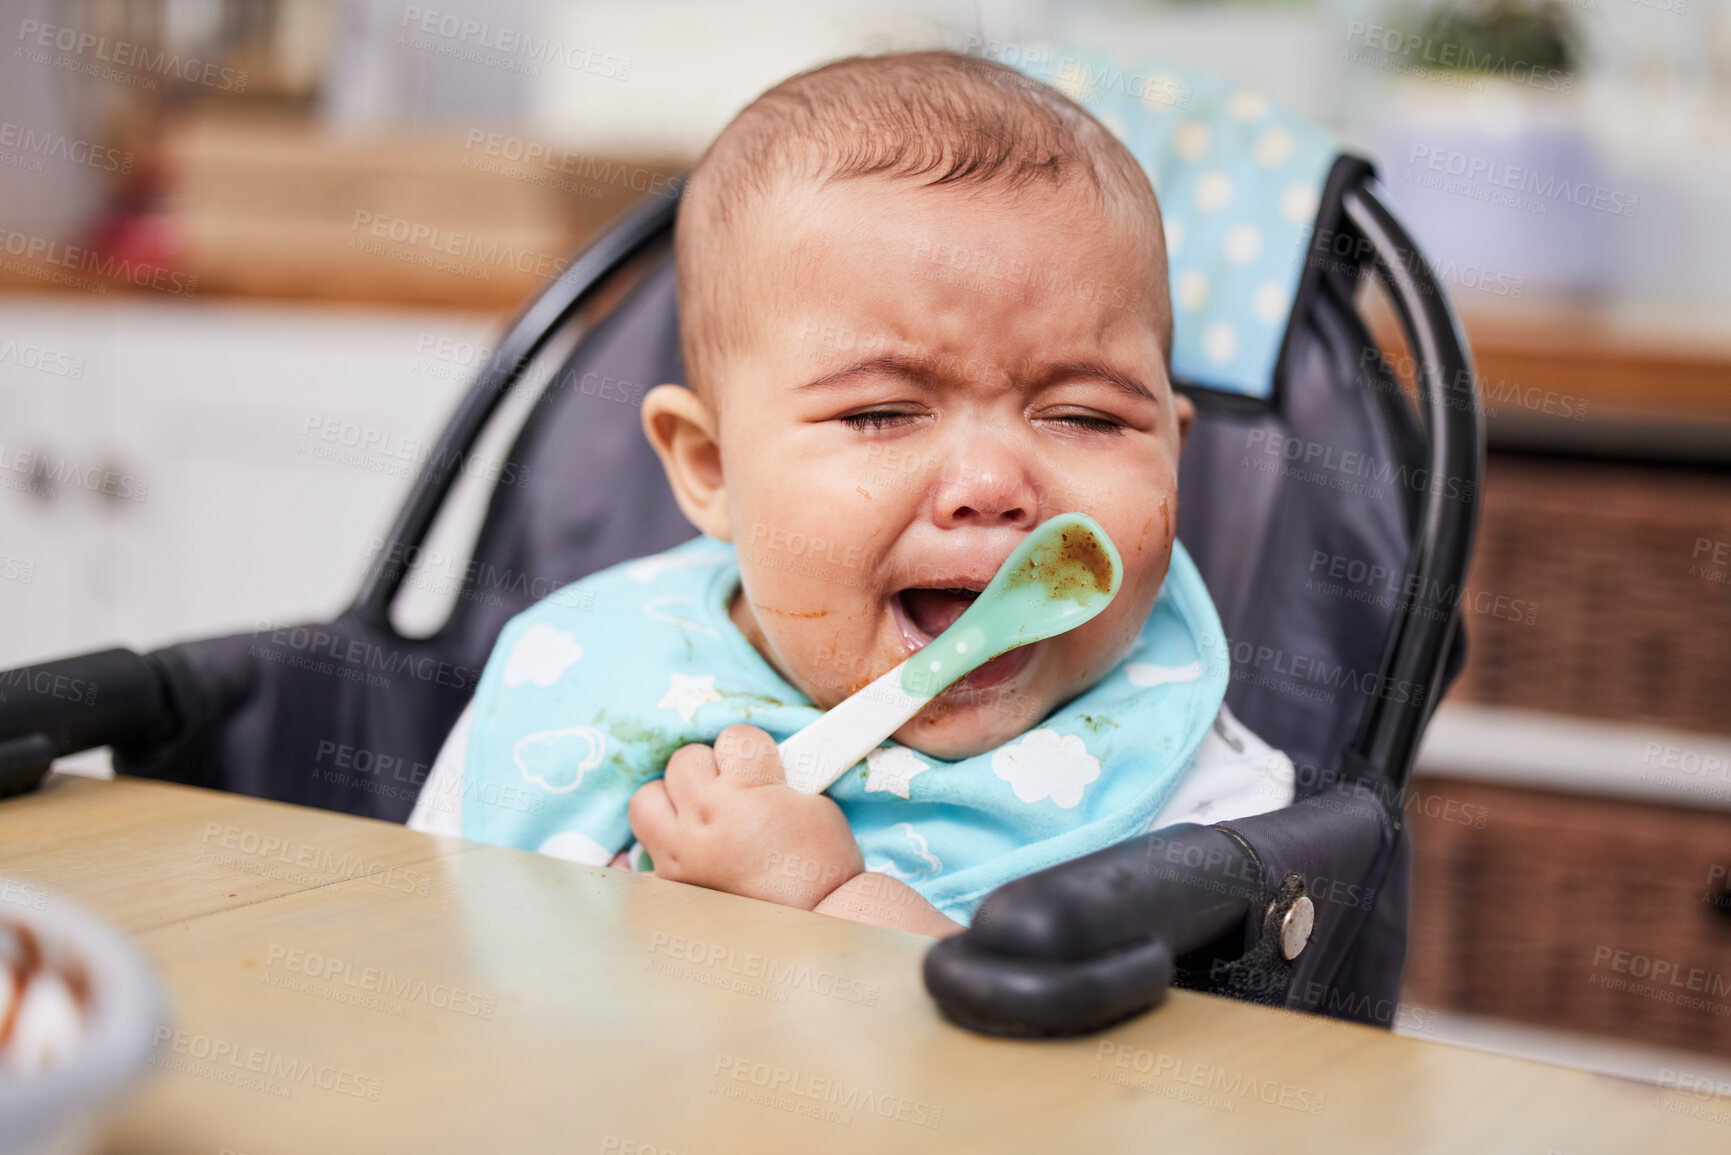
931	374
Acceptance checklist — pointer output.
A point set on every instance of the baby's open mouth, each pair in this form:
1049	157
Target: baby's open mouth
932	611
924	612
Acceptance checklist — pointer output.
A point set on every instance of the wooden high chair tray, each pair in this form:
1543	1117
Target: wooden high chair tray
339	984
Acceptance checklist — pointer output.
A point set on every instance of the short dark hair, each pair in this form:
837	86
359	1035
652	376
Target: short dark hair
932	118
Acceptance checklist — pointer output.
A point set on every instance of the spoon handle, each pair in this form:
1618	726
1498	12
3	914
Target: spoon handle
829	747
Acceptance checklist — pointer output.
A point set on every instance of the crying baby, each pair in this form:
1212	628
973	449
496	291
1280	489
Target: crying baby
923	308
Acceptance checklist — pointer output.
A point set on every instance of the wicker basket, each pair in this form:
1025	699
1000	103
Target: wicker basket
1559	910
1594	592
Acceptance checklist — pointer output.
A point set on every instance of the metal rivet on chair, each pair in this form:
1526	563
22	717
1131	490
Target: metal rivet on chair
1295	928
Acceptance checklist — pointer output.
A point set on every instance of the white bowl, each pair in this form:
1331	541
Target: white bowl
61	1110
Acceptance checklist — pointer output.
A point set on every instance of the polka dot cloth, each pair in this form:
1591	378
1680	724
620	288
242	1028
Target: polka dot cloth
1239	179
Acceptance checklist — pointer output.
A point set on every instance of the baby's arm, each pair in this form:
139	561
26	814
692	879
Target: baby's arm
879	900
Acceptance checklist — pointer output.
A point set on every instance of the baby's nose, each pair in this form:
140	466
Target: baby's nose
986	490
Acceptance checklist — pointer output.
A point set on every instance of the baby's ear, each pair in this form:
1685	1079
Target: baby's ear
1185	410
682	431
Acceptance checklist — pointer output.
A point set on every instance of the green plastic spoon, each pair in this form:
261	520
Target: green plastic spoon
1062	574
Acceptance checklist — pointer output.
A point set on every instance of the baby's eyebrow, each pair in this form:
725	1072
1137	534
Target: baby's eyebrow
1105	373
924	371
914	368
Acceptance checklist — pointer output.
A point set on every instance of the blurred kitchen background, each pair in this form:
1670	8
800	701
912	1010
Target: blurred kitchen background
209	423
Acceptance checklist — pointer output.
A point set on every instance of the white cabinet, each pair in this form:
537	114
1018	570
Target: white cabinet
173	470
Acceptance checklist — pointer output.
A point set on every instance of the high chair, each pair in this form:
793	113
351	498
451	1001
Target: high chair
1330	510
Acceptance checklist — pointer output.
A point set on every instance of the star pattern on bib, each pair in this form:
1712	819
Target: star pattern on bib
892	768
687	694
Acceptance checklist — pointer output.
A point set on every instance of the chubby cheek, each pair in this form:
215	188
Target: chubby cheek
808	571
1094	649
1149	552
1144	539
812	625
1148	534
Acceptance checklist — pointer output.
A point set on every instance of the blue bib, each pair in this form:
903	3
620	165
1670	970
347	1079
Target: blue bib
589	692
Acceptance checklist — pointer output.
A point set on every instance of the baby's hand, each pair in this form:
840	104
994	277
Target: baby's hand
726	819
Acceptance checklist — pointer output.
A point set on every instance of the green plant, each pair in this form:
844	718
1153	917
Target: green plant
1539	33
